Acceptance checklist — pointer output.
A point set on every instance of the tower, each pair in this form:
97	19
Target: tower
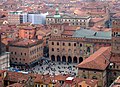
116	37
114	67
0	44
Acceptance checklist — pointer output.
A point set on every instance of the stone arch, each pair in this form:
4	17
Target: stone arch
52	57
75	59
69	59
63	59
58	58
80	59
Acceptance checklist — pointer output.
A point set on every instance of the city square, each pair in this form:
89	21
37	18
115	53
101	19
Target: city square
55	68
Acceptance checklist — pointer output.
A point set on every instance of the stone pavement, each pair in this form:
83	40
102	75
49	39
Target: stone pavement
55	68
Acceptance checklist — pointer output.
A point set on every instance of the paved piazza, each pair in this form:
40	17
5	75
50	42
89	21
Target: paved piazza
55	68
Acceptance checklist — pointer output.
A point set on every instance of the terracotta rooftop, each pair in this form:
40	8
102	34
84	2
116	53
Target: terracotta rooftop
68	33
89	82
28	28
44	79
16	85
72	28
99	60
117	15
61	77
97	19
15	76
115	59
25	42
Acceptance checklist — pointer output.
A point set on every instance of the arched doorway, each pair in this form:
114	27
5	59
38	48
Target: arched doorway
69	59
52	57
63	59
75	59
58	58
80	59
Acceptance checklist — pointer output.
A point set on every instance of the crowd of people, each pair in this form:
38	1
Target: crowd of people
55	68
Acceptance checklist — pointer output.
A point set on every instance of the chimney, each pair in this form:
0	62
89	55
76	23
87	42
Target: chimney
0	45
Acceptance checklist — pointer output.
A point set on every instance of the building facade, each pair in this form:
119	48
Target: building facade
35	18
25	53
72	50
77	47
20	17
27	32
15	17
4	60
73	20
4	56
95	66
114	67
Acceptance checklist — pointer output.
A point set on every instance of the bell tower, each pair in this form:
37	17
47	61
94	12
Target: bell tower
116	36
114	66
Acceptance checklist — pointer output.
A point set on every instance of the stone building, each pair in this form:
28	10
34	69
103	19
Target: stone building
27	32
68	44
25	52
4	56
94	67
112	63
73	20
15	17
114	67
20	79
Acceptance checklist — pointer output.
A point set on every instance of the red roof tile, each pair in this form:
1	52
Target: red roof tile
68	33
16	85
99	60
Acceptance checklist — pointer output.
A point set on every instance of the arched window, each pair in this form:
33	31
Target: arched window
63	44
63	50
75	51
69	59
80	45
69	44
52	57
58	58
74	44
69	51
88	49
94	77
52	43
75	59
57	43
80	59
52	49
63	59
81	52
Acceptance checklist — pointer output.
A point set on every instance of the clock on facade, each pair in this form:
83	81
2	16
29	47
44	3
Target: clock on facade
55	31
